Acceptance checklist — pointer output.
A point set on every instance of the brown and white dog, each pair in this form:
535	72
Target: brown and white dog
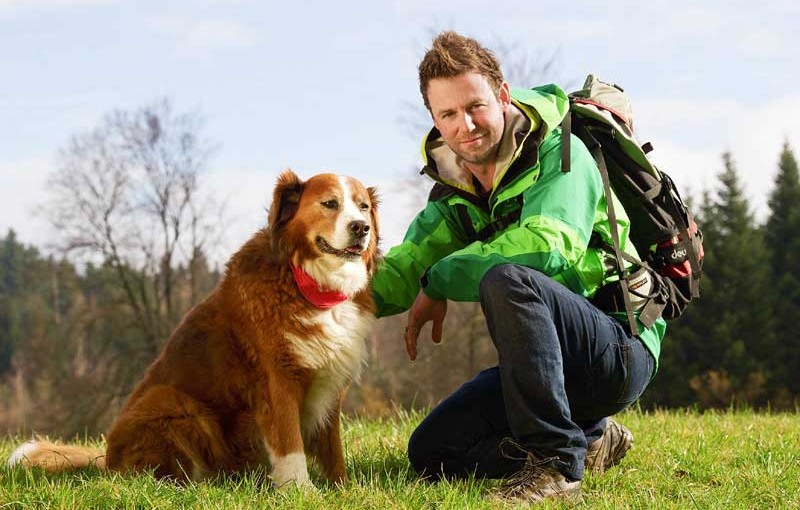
254	375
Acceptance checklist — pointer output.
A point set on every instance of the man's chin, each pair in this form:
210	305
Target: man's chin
472	158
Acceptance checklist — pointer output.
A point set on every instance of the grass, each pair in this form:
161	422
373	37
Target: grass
680	460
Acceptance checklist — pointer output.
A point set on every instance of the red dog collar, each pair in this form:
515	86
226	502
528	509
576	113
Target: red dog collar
311	290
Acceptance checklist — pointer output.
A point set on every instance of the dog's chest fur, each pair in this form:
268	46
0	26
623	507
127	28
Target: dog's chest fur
335	357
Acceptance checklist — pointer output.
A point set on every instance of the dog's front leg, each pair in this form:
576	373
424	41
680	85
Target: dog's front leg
284	444
327	446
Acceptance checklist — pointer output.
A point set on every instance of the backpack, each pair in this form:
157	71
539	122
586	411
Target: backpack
662	229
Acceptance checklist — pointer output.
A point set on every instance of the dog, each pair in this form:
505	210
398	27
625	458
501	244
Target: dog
254	374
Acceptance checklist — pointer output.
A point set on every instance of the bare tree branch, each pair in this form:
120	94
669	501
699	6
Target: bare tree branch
128	194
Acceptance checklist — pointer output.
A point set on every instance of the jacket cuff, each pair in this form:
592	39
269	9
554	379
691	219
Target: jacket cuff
427	288
423	280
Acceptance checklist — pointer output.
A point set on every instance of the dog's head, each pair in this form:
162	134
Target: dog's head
327	225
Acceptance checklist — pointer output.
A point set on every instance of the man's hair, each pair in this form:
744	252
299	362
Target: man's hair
453	54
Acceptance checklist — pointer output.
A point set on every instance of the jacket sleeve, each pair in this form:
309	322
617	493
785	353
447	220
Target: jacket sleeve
558	213
433	234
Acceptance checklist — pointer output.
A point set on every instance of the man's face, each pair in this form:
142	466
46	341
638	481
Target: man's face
469	115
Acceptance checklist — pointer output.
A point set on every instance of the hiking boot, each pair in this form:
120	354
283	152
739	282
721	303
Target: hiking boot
609	450
536	481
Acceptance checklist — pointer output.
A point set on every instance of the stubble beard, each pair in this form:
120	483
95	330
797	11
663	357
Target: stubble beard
481	158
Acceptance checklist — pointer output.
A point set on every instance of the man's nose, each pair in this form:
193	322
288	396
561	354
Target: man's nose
467	124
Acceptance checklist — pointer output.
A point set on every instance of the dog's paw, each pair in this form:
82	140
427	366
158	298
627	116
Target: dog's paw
296	485
290	472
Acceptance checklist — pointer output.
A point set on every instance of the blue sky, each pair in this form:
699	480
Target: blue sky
321	86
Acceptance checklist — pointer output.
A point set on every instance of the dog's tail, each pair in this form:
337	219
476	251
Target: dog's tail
55	458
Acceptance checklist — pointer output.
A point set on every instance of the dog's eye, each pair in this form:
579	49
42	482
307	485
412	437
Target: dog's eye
331	204
364	206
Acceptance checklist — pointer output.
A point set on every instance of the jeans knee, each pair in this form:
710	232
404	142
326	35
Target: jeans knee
418	454
495	282
500	280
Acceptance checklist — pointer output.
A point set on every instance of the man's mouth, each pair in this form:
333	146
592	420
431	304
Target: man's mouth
472	141
352	251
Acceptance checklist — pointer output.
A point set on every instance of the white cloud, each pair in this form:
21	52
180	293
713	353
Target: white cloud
557	31
690	138
195	38
246	194
683	113
691	21
27	5
433	11
760	43
22	190
401	199
693	170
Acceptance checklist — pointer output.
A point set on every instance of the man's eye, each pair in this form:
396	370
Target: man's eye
331	204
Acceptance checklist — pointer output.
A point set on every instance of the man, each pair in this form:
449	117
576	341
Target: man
506	227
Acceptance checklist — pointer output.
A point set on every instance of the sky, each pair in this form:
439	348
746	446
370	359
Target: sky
317	86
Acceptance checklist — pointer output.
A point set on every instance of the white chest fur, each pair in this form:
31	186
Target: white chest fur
335	356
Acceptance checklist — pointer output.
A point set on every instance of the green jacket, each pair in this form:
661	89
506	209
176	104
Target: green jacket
559	213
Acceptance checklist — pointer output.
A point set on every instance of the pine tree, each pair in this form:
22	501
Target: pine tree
715	353
10	275
737	327
782	235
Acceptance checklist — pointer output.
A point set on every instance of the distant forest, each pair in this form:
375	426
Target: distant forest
135	227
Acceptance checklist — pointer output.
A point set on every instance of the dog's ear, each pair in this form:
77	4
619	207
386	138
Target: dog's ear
375	200
373	212
285	199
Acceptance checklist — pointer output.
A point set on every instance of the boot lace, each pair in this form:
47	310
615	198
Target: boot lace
531	473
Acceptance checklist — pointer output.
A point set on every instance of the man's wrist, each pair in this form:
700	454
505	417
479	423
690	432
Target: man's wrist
428	289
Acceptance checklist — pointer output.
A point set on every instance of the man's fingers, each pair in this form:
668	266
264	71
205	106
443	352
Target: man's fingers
411	334
436	332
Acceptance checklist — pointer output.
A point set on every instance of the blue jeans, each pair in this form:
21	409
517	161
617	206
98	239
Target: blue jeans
563	367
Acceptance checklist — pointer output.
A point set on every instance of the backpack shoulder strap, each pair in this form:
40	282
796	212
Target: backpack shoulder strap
594	148
439	191
466	222
498	225
566	130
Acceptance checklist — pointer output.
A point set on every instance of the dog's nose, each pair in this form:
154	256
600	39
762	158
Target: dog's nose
359	228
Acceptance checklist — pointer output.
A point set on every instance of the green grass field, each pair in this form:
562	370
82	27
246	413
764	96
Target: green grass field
680	460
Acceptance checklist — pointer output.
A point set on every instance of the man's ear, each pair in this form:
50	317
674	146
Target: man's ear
285	199
504	95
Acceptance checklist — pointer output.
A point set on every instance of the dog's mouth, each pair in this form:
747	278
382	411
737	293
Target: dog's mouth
350	252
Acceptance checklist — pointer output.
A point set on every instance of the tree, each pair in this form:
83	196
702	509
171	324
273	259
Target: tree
718	352
736	326
523	67
70	345
128	194
11	259
782	236
127	200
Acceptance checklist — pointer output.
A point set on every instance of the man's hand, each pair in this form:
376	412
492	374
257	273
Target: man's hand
423	310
